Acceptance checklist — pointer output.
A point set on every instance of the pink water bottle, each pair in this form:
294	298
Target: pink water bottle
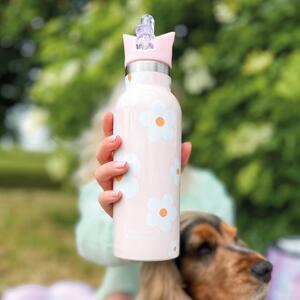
148	119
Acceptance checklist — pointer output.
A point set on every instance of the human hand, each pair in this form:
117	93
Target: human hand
109	169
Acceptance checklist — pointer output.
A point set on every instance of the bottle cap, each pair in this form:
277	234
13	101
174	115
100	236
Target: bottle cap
146	46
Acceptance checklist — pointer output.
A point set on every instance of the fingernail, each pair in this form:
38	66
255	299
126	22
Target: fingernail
112	138
120	164
116	193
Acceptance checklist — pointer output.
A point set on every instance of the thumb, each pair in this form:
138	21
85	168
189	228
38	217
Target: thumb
186	149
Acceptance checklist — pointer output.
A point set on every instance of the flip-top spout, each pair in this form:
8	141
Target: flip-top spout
146	46
145	33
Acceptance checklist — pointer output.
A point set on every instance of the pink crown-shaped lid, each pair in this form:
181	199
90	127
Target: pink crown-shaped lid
161	51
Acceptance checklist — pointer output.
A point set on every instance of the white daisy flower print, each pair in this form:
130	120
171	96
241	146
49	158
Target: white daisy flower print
175	171
159	122
161	213
128	183
173	248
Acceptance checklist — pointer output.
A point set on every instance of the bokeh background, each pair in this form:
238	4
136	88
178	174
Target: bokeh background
237	63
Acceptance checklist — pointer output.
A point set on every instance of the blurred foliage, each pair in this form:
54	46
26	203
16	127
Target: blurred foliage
246	127
84	54
238	64
19	22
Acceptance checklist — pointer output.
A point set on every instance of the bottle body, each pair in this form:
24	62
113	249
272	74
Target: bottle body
148	119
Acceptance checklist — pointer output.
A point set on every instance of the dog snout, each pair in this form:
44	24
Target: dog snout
262	270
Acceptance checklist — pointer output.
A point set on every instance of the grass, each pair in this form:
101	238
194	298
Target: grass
24	168
37	242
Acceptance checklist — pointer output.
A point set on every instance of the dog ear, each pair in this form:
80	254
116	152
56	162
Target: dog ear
161	280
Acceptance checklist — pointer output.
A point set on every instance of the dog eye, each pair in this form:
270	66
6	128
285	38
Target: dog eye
204	249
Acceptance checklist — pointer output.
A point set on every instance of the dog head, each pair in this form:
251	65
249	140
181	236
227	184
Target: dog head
214	264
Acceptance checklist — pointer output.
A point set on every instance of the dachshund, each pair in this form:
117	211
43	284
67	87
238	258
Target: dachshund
214	264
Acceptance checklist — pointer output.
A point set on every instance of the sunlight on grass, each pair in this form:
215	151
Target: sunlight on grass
37	243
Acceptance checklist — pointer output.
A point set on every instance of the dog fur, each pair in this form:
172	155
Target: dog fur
213	265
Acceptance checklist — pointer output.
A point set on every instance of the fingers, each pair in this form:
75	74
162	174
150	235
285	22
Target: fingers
186	150
106	148
107	199
107	123
105	173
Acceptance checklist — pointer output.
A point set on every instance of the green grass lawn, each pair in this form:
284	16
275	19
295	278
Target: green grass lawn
37	242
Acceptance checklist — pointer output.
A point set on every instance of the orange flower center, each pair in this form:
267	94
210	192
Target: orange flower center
129	77
174	248
177	171
160	121
119	178
163	212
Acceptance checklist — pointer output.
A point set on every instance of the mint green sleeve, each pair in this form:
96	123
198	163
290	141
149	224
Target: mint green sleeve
120	279
94	237
94	230
203	191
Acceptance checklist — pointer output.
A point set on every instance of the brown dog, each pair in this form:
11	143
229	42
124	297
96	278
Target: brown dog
213	265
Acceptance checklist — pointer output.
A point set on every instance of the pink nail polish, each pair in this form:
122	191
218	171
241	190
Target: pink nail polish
116	193
112	138
120	164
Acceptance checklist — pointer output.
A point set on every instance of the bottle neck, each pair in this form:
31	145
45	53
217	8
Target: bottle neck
147	72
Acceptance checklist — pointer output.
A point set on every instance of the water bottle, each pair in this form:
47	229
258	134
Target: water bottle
148	119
